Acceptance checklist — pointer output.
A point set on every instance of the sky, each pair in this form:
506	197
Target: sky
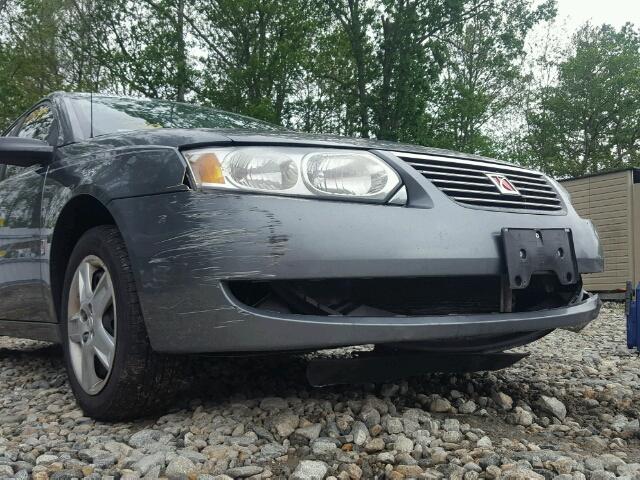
615	12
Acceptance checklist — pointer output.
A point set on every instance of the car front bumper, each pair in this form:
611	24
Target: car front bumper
185	246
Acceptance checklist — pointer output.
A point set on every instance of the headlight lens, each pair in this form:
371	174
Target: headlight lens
268	171
345	174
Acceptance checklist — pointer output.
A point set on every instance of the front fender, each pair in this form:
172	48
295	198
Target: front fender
83	178
117	173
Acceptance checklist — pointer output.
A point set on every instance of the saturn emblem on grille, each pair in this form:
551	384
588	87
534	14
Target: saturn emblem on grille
503	184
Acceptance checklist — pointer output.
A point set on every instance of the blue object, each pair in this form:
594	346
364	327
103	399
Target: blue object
633	312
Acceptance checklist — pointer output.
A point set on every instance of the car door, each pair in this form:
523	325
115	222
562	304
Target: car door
21	246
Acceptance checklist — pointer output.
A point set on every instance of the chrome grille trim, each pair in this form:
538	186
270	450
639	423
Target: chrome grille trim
466	182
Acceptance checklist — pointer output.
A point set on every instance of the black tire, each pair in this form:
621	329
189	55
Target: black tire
141	382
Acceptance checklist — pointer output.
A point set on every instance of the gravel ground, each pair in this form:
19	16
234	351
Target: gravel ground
569	411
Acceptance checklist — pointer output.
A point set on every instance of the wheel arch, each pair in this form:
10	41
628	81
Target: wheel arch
80	214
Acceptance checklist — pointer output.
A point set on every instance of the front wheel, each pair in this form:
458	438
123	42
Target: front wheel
112	369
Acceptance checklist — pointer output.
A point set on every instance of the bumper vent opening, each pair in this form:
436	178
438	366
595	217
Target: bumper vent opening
467	182
422	296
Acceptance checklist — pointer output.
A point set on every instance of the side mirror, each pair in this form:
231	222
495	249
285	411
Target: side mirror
24	152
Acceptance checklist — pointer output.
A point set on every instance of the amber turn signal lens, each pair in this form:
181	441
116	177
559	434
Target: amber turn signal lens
207	168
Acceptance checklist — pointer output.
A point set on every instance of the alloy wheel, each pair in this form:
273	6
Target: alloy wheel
91	324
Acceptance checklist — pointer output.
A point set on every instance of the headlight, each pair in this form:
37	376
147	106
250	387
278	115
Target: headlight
343	174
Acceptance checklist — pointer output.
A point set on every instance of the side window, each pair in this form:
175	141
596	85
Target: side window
37	124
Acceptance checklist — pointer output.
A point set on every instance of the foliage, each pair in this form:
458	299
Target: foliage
590	120
29	66
449	73
483	74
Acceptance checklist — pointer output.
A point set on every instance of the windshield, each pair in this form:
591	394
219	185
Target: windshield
118	114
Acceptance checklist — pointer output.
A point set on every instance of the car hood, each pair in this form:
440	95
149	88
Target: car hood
195	138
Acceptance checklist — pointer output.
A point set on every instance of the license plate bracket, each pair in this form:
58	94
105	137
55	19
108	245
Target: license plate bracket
528	251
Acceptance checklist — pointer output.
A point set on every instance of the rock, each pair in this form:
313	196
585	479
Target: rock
323	446
67	474
6	471
180	468
520	474
285	423
504	401
601	475
219	452
272	450
386	457
374	445
311	432
309	470
394	425
46	459
403	444
145	437
629	470
522	417
543	455
128	475
493	472
468	407
488	460
593	464
451	425
471	466
370	416
611	462
484	442
244	472
98	458
43	435
553	406
410	426
440	405
451	437
118	449
344	422
153	473
563	465
195	457
409	471
21	475
147	462
452	471
439	457
353	471
360	433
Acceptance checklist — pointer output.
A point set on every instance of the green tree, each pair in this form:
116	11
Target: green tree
339	69
29	67
143	47
255	50
590	120
483	75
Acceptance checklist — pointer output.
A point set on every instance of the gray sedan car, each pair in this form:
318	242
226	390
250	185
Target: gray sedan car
134	230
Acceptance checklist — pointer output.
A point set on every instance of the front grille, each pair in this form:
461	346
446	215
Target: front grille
466	182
